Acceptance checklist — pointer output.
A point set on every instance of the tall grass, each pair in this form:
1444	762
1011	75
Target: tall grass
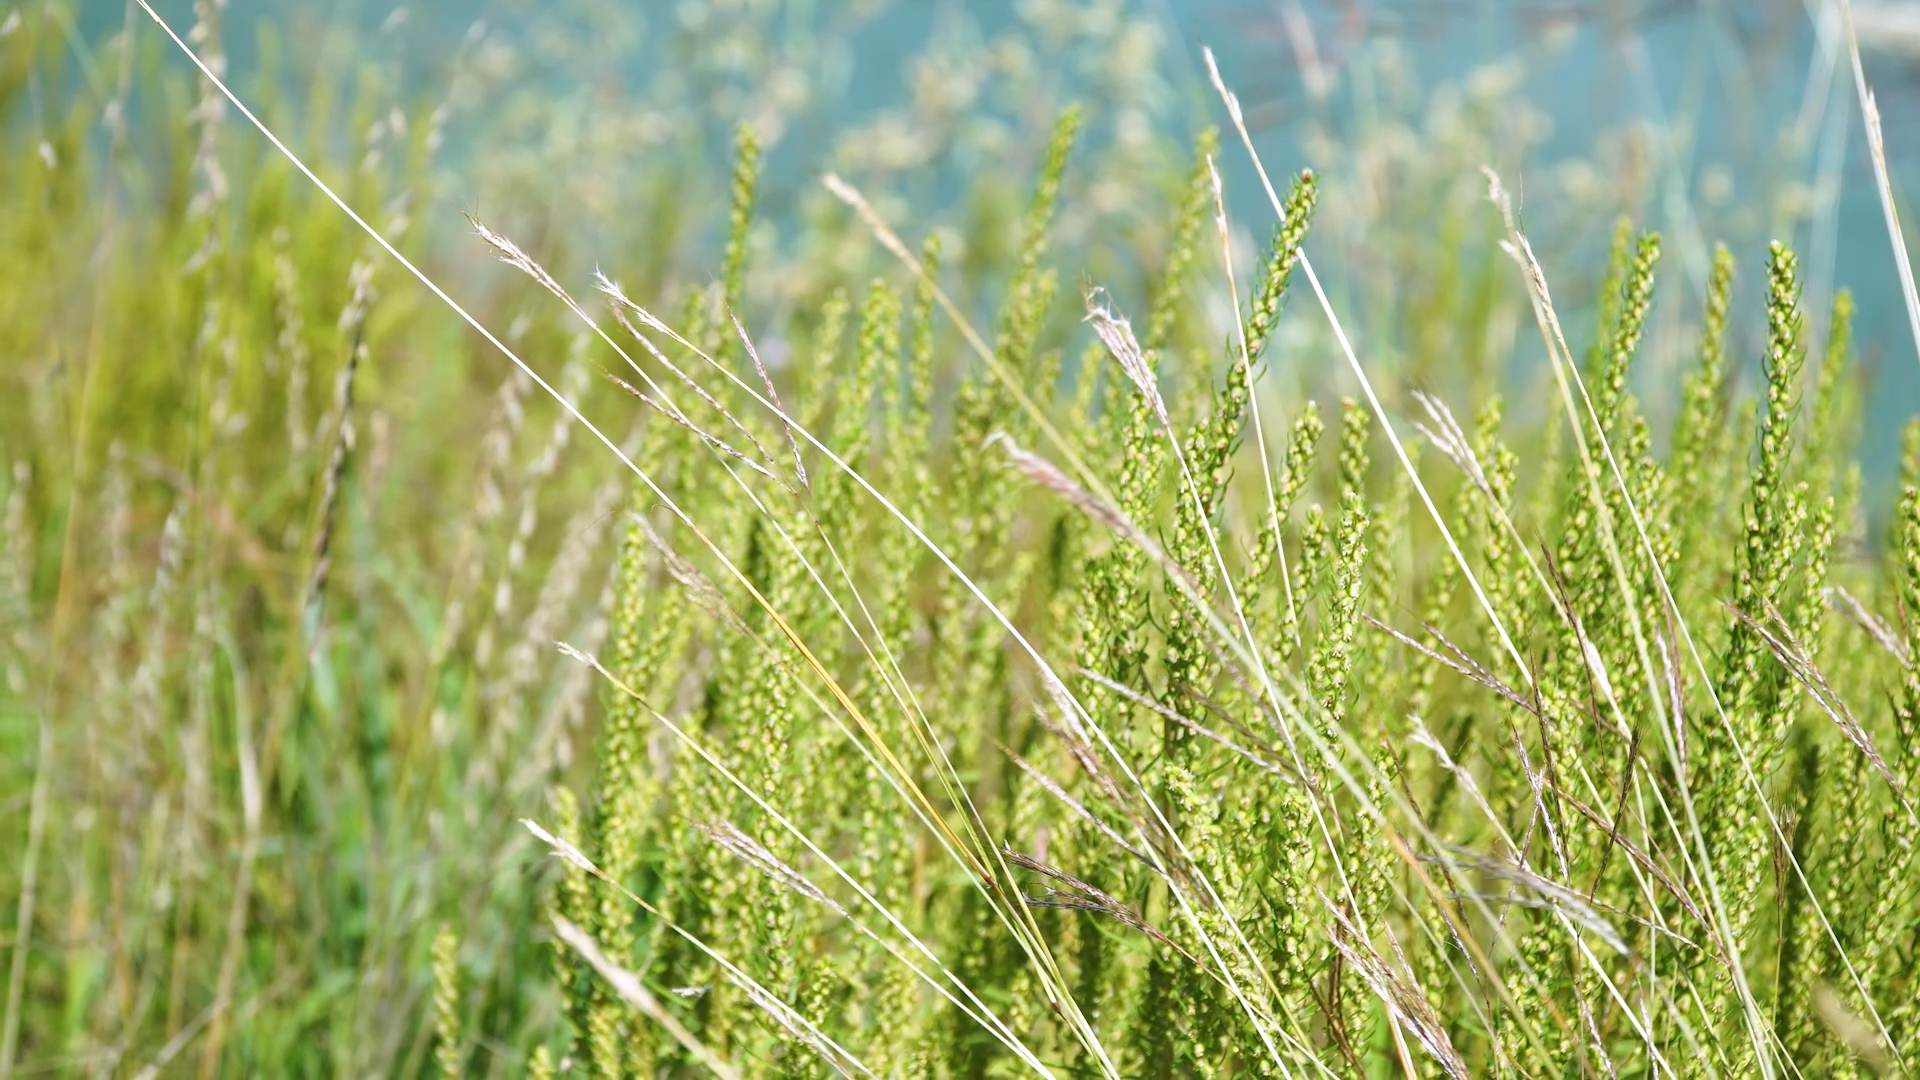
981	666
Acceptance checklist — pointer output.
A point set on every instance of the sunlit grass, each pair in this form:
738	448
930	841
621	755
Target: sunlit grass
935	675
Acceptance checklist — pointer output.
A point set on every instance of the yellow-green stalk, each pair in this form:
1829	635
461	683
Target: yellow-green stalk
449	1046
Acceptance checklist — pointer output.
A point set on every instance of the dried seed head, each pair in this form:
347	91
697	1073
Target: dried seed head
755	854
1117	334
561	847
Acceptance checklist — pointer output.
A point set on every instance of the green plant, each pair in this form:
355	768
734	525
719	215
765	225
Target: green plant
1044	725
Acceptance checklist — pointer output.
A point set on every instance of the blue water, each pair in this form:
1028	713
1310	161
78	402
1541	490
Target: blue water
1737	75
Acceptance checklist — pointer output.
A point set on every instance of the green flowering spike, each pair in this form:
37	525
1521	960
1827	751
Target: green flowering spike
1354	462
1211	444
1274	603
1817	463
1083	410
895	1013
1782	364
1170	299
1389	529
1630	319
1618	254
1342	583
1434	606
1018	347
1116	590
877	350
1547	503
1046	193
574	900
1316	552
1699	430
733	274
908	435
1755	688
829	338
1794	1021
1594	496
910	407
697	317
540	1064
1907	715
1771	511
1808	615
609	1031
980	485
1209	448
644	642
619	808
1031	290
1303	444
1144	454
449	1047
1287	236
1499	464
925	310
773	758
1294	909
1848	790
1881	943
1647	485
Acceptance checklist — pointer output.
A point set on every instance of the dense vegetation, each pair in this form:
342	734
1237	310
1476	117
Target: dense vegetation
938	693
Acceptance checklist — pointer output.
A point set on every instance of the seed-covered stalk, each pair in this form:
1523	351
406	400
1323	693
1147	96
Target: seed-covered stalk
1618	254
1800	938
1753	683
1114	611
644	638
1878	952
1907	540
1652	490
886	842
1772	510
1170	298
573	899
1355	461
1327	676
980	484
733	274
1281	609
1699	436
1345	584
1434	606
1190	660
829	338
1500	467
449	1049
1594	495
1287	235
910	404
1630	320
1623	311
1032	288
877	349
